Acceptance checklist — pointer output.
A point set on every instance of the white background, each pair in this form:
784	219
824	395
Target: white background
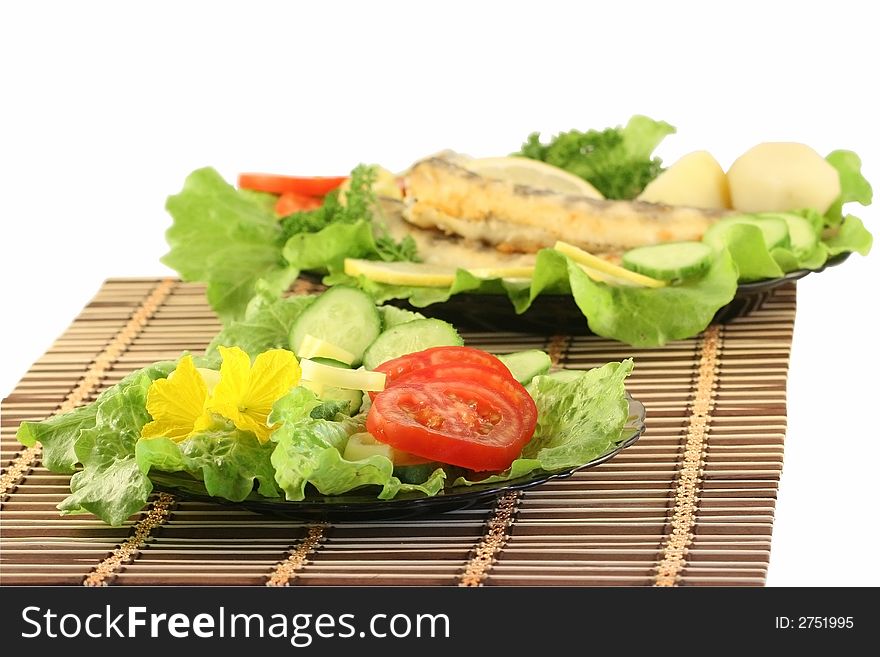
106	106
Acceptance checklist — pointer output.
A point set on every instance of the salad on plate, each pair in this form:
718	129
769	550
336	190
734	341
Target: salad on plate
309	396
649	254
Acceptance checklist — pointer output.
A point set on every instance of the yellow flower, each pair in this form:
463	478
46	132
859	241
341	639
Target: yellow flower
245	394
177	404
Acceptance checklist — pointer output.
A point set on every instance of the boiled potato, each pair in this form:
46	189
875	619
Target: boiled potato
696	180
777	177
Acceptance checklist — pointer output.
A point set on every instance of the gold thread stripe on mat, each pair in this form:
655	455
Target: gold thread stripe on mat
126	552
503	513
28	458
495	538
286	571
687	490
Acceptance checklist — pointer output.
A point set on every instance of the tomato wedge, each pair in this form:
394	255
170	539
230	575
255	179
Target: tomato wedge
290	202
463	423
397	368
311	186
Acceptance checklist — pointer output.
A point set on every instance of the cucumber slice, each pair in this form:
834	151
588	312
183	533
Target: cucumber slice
342	316
410	337
415	474
526	365
773	229
392	316
670	261
363	445
801	233
330	362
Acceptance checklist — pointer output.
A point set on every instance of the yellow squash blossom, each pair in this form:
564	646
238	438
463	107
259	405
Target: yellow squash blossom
246	393
177	404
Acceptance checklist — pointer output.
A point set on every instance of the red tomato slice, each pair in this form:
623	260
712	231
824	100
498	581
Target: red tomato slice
290	202
502	384
397	368
312	186
462	423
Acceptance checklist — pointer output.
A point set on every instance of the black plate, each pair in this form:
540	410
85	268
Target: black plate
558	313
360	506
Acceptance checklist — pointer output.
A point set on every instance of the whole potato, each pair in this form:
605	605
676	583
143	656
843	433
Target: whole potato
782	176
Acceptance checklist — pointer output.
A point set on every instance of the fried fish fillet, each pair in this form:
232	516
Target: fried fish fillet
442	194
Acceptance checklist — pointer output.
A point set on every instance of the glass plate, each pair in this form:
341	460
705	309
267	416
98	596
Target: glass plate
364	507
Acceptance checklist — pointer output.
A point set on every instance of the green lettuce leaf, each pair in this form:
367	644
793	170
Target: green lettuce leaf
851	236
580	418
266	323
58	435
227	239
111	485
645	317
309	451
854	187
328	247
226	459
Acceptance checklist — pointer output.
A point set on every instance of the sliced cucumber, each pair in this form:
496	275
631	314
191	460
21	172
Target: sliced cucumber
363	446
330	362
526	365
392	316
773	229
410	337
342	316
670	261
801	233
415	474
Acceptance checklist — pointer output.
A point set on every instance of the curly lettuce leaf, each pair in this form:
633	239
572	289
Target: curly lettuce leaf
58	434
266	323
580	418
854	187
111	485
309	452
852	236
227	239
229	461
58	437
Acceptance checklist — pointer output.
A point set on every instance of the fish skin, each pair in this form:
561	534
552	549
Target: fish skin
441	194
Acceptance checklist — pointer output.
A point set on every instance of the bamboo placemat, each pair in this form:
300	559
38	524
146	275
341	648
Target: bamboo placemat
690	504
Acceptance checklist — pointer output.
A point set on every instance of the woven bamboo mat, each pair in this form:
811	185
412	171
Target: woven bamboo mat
690	504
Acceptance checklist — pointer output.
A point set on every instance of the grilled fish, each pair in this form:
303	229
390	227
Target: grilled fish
442	194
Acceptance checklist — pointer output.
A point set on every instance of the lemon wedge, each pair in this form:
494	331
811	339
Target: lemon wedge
401	273
532	173
423	275
312	347
337	377
595	266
